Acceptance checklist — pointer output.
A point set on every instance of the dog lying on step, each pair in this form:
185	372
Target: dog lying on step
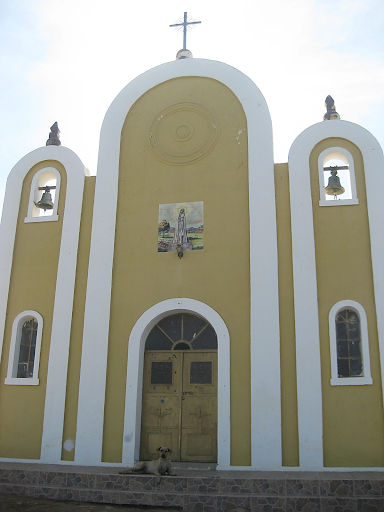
160	466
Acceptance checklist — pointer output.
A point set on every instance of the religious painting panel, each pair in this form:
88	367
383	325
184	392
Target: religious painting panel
180	226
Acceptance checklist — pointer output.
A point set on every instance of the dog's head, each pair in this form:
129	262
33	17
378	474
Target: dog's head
163	452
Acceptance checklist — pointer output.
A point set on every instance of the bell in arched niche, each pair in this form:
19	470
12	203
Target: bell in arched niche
45	202
334	187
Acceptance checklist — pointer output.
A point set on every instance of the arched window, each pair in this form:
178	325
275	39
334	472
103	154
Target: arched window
337	178
182	331
349	344
24	354
44	196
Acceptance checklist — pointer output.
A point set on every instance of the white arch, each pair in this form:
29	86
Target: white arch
309	395
133	395
65	282
364	344
264	308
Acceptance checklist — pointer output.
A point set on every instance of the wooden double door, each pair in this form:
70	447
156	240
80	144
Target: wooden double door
179	408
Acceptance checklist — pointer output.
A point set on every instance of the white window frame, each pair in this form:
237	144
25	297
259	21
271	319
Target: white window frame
366	379
339	154
14	350
39	180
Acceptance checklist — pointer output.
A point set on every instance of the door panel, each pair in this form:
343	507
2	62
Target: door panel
199	407
180	404
160	417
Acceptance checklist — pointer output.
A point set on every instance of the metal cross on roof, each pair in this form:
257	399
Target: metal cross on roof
184	25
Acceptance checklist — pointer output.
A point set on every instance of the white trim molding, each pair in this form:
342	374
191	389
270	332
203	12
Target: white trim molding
309	392
65	281
14	350
364	345
264	315
51	443
339	154
133	396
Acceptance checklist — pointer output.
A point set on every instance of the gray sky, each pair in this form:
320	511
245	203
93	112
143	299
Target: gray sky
66	60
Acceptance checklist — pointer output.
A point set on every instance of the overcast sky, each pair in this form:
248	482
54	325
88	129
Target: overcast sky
66	60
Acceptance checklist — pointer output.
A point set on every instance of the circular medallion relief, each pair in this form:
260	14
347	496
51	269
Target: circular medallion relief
183	133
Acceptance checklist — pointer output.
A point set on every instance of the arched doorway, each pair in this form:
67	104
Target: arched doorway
179	401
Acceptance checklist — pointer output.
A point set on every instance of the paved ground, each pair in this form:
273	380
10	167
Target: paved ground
9	503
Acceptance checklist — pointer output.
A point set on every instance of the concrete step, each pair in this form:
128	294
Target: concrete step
196	490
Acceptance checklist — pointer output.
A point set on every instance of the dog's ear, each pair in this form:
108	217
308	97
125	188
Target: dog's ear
169	450
159	448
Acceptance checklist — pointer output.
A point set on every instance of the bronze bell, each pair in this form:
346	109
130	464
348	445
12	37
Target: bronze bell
334	187
45	202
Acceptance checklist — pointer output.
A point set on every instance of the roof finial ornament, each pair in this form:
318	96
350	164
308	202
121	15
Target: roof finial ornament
54	136
184	53
331	109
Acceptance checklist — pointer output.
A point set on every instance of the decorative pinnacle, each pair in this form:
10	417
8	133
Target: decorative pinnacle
54	136
331	109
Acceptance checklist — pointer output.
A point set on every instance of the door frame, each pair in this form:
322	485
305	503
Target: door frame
134	385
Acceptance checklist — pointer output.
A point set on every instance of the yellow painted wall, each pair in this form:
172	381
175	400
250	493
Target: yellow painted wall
290	442
217	275
32	287
74	361
353	415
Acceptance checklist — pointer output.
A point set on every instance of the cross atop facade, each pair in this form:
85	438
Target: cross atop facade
184	25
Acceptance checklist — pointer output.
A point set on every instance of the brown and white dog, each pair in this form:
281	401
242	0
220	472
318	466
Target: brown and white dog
160	466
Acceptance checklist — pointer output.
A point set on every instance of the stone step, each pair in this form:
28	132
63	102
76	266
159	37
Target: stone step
199	491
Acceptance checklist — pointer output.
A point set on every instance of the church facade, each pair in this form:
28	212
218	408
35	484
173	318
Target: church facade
194	294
